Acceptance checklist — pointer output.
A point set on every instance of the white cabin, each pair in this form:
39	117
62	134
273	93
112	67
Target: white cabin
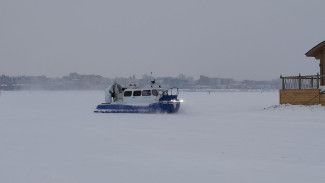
119	95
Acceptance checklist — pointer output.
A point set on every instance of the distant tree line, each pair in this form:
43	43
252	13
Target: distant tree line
75	81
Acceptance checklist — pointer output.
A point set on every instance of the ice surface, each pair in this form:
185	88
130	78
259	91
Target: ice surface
54	137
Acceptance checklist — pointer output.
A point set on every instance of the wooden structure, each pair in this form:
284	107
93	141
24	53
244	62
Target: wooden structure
306	90
319	53
302	90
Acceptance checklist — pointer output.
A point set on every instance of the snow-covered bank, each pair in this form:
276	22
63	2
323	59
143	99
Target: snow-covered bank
218	137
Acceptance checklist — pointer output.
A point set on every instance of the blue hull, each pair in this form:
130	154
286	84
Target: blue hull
162	106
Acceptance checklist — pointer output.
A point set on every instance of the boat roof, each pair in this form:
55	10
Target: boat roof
145	88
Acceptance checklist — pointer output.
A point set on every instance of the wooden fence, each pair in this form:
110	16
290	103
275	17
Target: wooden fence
301	82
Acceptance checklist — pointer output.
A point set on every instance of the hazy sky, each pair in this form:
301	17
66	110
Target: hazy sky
241	39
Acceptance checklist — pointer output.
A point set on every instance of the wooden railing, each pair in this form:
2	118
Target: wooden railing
301	82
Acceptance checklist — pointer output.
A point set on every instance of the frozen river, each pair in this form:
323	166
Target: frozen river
54	137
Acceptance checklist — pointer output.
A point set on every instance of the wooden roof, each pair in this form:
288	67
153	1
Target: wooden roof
316	50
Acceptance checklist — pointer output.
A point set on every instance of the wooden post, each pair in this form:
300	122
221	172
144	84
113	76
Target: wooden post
283	86
299	82
322	68
318	80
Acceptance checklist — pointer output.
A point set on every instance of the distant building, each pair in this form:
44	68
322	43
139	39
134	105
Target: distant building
219	83
170	82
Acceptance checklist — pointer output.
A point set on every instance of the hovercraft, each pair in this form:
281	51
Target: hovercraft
150	99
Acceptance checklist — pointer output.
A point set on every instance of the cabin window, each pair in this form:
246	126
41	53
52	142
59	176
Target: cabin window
154	92
146	93
127	93
137	93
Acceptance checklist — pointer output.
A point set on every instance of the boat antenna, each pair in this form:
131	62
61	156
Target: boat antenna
152	81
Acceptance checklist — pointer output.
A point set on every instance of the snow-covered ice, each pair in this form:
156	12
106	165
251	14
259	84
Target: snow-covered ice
54	137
